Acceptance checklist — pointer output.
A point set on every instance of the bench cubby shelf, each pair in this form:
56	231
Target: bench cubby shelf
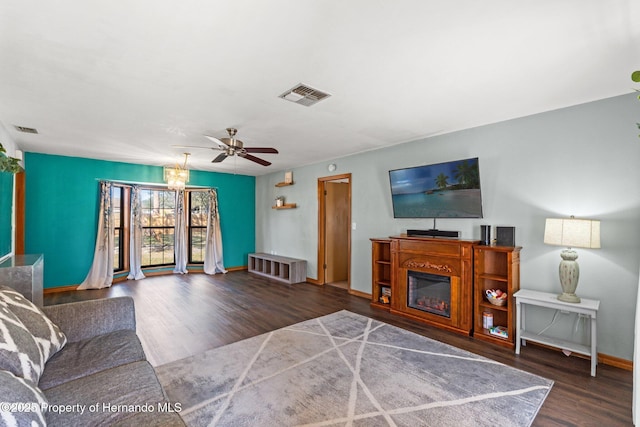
285	269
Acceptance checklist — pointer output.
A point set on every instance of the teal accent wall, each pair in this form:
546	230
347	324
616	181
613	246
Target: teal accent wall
6	208
61	210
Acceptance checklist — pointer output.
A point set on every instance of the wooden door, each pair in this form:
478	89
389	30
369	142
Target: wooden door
329	230
337	231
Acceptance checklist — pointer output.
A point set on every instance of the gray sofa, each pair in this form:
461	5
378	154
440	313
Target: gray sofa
101	376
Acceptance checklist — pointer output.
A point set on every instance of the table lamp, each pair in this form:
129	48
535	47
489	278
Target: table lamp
572	233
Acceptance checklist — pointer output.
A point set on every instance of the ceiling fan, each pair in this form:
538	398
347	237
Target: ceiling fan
231	146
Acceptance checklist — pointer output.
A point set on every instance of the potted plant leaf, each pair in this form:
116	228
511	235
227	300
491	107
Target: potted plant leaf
8	164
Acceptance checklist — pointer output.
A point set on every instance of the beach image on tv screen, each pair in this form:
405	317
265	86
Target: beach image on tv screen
443	190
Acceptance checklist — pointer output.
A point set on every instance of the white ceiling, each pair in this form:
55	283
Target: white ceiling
127	80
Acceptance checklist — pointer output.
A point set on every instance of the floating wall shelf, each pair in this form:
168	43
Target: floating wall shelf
286	205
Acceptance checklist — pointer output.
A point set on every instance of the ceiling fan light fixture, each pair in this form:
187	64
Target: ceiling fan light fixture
232	147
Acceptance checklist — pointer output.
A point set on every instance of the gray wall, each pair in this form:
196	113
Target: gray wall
7	208
580	161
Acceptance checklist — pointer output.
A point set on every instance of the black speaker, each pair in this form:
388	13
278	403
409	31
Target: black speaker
485	235
505	236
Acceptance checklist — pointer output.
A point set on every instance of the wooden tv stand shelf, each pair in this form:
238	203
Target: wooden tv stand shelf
496	267
381	275
404	268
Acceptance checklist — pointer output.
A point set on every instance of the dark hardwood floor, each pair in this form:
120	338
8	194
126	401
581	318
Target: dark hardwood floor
178	316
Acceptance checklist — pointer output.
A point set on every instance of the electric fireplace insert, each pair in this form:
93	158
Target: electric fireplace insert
429	292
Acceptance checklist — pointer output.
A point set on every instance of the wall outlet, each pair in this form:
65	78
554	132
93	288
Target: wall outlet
353	225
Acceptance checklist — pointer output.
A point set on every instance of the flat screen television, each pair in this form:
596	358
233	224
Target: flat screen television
442	190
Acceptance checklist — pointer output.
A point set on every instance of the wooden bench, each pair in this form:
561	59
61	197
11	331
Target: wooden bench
285	269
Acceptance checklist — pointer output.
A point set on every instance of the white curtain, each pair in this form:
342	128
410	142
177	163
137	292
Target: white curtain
180	235
135	236
213	248
101	273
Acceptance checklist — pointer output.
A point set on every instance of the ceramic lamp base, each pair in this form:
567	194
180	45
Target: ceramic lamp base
569	298
569	275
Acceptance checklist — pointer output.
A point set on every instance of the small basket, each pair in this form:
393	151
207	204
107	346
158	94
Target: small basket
500	302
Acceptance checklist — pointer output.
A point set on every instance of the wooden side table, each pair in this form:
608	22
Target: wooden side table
586	307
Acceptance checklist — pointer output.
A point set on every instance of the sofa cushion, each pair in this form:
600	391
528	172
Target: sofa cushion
116	393
49	337
19	352
86	319
82	358
23	403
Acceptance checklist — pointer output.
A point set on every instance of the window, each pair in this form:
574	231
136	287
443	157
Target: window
157	215
198	202
117	210
158	221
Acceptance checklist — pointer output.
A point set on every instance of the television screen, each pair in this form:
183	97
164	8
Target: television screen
443	190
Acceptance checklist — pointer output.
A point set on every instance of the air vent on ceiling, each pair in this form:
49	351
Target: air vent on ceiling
26	129
304	95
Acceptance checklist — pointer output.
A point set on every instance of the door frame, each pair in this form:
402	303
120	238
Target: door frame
322	222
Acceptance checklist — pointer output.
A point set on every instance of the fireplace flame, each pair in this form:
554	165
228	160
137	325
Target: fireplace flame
433	304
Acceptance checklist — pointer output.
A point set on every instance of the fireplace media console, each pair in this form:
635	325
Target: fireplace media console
442	282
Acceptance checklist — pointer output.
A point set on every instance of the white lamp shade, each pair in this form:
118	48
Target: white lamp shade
572	232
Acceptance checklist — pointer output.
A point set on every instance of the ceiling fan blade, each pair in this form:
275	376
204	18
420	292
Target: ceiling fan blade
194	146
216	140
220	158
261	150
255	159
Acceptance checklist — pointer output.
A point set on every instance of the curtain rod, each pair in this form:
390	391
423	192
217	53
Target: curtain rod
151	184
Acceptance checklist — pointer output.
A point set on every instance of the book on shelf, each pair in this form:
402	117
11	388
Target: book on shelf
500	331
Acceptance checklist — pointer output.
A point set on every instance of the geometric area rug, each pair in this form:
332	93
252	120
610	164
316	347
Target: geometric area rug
345	369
